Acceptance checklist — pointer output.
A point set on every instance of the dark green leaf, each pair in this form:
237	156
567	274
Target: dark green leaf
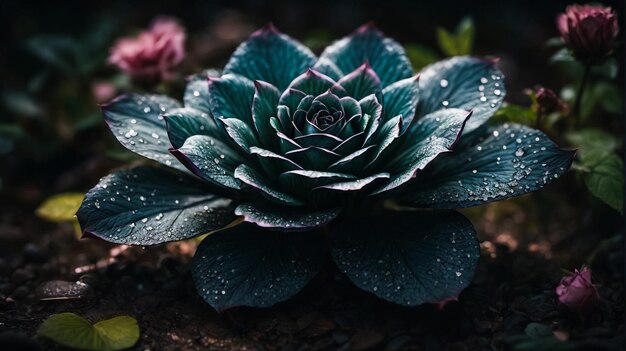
606	181
407	257
420	55
594	145
458	43
148	206
249	266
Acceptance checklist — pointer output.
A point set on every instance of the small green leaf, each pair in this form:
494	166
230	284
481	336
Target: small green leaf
71	330
420	56
460	42
538	330
594	145
515	114
606	181
60	207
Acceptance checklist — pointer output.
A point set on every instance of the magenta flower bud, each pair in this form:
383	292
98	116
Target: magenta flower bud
547	100
153	53
577	292
589	31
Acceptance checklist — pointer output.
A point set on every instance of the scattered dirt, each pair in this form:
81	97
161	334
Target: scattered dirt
512	288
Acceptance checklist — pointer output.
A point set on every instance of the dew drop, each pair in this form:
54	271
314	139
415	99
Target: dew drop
443	83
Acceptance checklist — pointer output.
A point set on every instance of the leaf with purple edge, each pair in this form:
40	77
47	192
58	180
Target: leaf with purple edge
270	56
137	123
362	82
463	82
367	44
407	257
492	164
287	218
148	206
250	266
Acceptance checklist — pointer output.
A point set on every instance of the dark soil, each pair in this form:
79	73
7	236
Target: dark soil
512	288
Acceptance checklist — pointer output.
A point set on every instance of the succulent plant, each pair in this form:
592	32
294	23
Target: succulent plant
284	157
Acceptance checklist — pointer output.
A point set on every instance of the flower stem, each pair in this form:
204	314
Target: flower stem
538	118
579	94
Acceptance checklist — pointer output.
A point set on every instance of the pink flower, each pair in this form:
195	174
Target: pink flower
102	91
577	292
151	55
589	31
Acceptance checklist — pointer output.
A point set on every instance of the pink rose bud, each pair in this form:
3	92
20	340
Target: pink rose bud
577	292
548	101
103	91
589	31
153	53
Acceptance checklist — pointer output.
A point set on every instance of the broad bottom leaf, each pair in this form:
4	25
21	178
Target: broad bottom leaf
148	206
407	257
251	266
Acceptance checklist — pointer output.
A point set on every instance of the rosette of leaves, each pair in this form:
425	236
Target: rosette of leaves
303	151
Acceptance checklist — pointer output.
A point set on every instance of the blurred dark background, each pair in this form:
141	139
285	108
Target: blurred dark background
53	140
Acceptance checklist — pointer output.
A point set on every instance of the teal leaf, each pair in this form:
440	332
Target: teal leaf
285	218
183	123
467	83
367	44
148	206
257	181
138	124
210	159
249	266
270	56
401	98
362	82
313	83
606	181
408	258
71	330
435	134
197	90
352	185
385	136
264	106
240	132
492	164
230	96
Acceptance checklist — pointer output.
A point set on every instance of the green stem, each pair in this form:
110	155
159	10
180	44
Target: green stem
579	94
538	118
